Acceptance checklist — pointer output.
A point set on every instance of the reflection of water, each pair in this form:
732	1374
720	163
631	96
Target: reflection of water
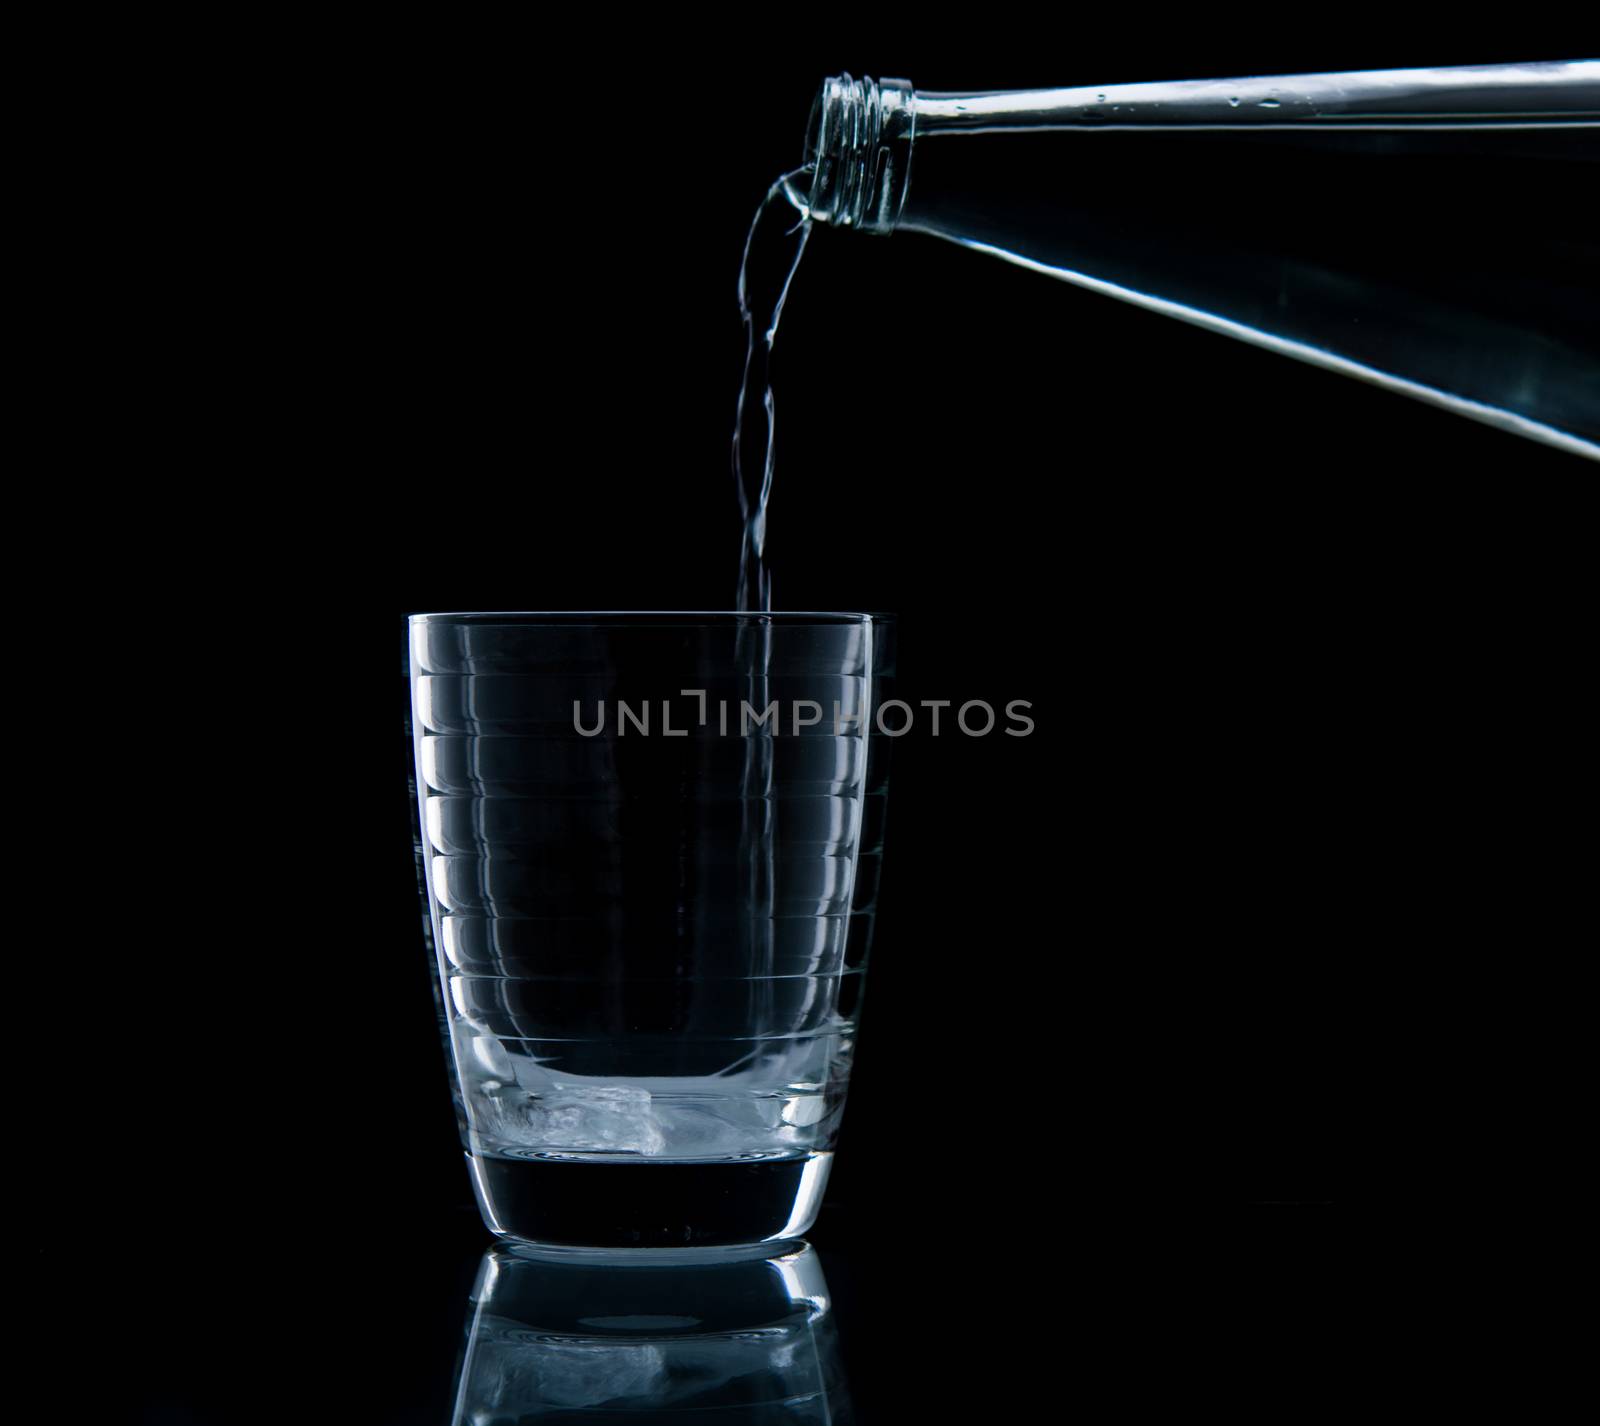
559	1337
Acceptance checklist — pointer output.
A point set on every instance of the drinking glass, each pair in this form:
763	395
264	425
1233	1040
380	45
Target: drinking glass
650	846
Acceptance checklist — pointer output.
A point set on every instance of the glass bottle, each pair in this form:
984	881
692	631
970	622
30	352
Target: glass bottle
1428	230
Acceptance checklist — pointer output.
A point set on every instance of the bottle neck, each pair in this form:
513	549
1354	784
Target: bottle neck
862	131
858	147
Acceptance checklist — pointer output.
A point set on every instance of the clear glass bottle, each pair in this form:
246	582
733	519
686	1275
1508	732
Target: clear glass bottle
1429	230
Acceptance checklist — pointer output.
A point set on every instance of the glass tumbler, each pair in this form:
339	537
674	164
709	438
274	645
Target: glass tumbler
650	846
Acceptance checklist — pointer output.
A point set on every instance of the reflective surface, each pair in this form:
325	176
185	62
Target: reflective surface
863	1325
576	1338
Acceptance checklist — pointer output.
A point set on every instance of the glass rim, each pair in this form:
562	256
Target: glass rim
534	618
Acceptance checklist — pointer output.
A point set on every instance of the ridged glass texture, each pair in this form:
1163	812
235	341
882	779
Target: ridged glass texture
651	922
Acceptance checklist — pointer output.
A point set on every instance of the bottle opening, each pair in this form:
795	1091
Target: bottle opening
858	148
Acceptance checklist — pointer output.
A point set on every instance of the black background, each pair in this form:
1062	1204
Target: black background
467	338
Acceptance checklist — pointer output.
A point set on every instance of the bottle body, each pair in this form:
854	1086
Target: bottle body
1425	230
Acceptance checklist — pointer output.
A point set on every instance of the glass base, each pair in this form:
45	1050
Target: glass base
611	1204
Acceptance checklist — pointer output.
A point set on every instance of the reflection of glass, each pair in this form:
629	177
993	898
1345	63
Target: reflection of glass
569	1337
